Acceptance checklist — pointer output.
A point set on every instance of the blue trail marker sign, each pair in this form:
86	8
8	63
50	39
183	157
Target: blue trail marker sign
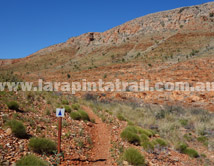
60	112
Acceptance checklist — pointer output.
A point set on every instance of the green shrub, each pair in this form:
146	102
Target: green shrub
31	160
15	115
13	105
65	102
151	131
18	129
4	118
84	115
154	142
191	152
42	145
181	147
212	14
80	115
109	112
134	157
105	75
132	129
130	137
130	123
76	106
144	138
161	142
75	115
148	146
203	155
188	137
144	131
67	109
121	117
183	122
203	139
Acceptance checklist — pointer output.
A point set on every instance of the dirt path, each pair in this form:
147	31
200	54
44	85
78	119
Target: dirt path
101	138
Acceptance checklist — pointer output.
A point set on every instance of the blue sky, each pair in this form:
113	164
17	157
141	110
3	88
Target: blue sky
27	26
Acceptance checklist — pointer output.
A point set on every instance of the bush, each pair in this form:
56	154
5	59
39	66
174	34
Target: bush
134	157
84	115
75	115
130	137
42	145
211	14
130	123
188	137
13	105
80	115
67	109
146	132
184	122
132	129
151	131
31	160
76	106
181	147
161	142
121	117
191	152
203	139
148	146
65	102
144	138
18	129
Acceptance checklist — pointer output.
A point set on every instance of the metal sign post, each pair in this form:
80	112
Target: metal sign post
60	113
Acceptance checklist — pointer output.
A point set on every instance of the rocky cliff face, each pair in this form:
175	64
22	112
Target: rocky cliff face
161	22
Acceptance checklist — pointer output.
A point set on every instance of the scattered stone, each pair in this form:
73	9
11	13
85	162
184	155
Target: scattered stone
90	124
13	164
54	127
21	148
6	163
8	131
125	163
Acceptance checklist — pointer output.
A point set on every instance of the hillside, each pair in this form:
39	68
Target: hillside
168	41
154	35
166	127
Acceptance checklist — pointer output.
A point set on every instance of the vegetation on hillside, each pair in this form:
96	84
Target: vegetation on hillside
168	122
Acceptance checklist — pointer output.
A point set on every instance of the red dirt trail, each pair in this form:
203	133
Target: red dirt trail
101	137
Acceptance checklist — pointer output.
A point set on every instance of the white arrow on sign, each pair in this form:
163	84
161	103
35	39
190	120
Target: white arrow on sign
60	112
